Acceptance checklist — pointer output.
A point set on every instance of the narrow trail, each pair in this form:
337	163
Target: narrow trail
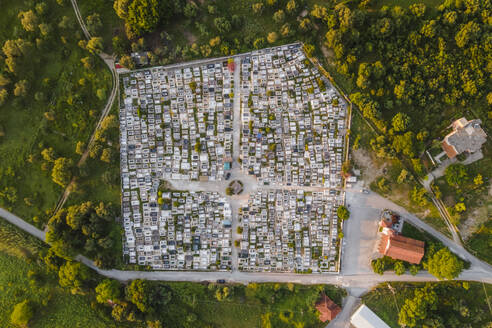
109	61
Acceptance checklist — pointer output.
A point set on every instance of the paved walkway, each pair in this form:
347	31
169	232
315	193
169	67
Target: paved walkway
15	220
342	320
374	201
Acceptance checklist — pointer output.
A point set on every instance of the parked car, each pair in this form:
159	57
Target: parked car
227	175
221	281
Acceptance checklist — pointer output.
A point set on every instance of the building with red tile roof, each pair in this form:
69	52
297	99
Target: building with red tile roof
466	137
402	248
327	309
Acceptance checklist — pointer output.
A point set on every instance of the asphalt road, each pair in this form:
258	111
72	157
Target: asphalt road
361	280
15	220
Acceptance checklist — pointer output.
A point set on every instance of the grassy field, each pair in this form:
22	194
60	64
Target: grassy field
475	221
62	309
59	85
112	24
54	306
252	306
452	297
283	305
480	242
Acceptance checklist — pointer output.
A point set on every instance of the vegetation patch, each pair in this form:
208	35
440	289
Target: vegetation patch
445	304
51	91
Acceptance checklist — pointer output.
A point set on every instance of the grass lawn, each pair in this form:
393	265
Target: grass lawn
282	305
452	299
475	220
62	309
112	24
54	306
480	242
58	85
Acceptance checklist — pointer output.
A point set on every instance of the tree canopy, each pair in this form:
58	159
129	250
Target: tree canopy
22	314
108	290
343	213
444	264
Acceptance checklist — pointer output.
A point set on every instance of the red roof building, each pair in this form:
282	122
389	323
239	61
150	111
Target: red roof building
402	248
466	137
327	309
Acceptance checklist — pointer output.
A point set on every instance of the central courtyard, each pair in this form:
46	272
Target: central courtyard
267	122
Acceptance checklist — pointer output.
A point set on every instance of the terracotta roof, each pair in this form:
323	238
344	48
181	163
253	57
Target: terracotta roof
450	151
402	248
467	136
328	310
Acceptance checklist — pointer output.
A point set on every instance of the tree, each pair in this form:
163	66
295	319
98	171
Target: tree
62	171
95	45
456	175
469	32
291	6
16	48
402	177
444	264
285	30
29	20
4	80
343	213
120	45
259	43
94	23
66	23
21	88
3	96
101	93
142	16
460	207
108	290
378	266
404	144
399	268
48	154
127	62
214	41
190	10
478	180
419	196
305	24
222	25
22	314
257	7
416	309
272	37
414	269
73	275
383	185
79	148
279	16
221	295
121	8
138	293
400	122
106	155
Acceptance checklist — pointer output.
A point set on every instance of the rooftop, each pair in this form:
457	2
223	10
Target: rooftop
402	248
327	308
467	136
